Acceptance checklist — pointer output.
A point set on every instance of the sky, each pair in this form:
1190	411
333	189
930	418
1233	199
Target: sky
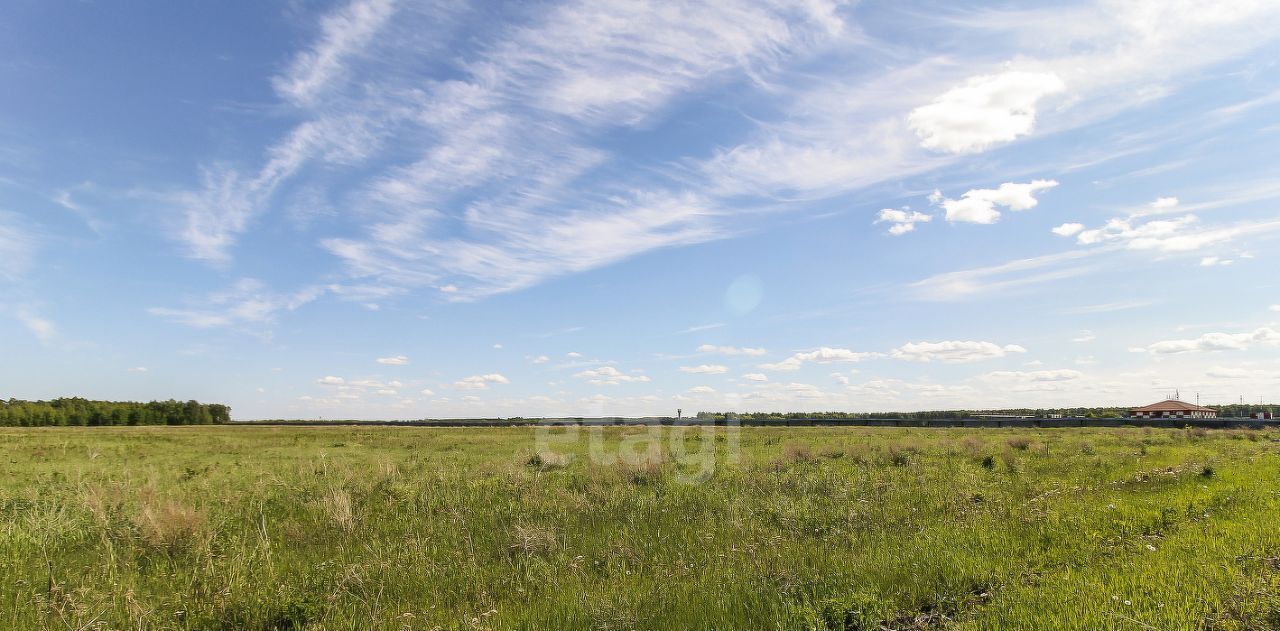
421	208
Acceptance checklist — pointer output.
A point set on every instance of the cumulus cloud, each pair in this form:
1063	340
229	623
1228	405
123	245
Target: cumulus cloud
823	355
480	382
701	390
1211	342
954	351
705	369
1068	229
755	376
986	110
397	360
331	380
980	205
1214	261
1183	234
609	376
539	359
732	350
902	221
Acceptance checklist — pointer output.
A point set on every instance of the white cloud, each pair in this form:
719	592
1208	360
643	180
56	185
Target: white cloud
705	369
755	376
138	369
427	392
573	355
979	205
840	378
1184	234
1213	261
1068	229
1164	203
397	360
480	382
903	221
17	249
1275	308
732	350
248	302
540	359
344	33
986	110
1222	372
497	347
1210	342
331	381
701	390
1005	276
609	376
1031	381
823	355
1085	336
954	351
43	328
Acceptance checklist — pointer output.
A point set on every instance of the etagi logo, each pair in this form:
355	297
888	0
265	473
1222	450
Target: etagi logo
689	452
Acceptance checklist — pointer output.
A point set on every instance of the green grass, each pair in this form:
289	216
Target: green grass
794	528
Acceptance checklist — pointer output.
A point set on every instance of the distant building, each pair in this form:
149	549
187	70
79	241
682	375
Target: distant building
1173	409
1264	416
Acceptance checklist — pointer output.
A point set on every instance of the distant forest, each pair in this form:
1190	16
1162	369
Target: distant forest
77	411
1224	411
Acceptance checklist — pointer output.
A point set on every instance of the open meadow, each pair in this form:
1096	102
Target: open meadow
646	528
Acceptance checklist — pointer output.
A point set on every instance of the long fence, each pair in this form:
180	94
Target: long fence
1208	423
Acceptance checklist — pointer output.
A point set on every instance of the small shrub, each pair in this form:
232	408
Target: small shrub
338	506
548	461
973	445
989	463
797	452
1010	460
644	473
532	540
1208	471
171	526
1021	443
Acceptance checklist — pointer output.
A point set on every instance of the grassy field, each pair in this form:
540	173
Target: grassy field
796	528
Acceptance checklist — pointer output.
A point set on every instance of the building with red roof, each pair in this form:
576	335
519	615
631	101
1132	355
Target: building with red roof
1173	408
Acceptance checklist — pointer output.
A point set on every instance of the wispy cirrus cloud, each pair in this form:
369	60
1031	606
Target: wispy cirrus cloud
247	303
501	175
344	33
17	248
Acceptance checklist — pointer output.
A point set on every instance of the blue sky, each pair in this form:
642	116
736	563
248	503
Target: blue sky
401	209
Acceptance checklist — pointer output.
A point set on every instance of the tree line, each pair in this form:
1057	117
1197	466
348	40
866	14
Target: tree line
1224	411
83	412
